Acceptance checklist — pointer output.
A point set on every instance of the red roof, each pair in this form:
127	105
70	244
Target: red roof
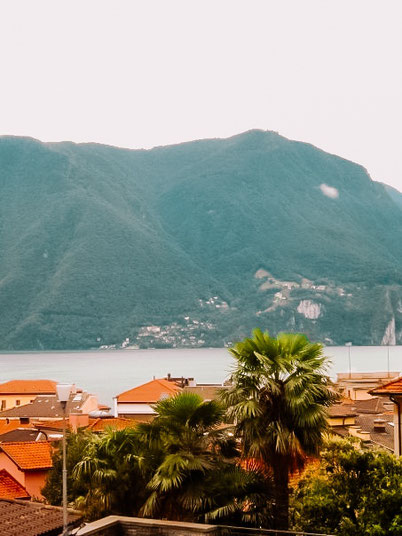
393	387
12	425
118	423
29	387
10	488
29	455
150	392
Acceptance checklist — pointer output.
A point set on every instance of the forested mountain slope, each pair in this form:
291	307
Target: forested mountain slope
194	244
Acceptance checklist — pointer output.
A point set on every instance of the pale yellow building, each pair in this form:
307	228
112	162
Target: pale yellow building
20	392
356	385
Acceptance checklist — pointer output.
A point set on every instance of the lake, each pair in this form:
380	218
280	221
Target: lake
110	372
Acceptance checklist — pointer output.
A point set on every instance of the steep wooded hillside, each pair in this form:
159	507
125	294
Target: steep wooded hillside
194	244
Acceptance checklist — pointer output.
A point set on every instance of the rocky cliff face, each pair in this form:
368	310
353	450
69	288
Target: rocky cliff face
194	245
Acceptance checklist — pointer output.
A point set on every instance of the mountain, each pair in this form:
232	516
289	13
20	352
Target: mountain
194	244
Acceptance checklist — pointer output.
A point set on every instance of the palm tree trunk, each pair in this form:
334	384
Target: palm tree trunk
281	484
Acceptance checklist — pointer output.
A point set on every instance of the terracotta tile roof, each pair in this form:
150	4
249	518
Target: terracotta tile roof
10	488
12	425
385	438
45	406
21	434
340	410
26	518
118	423
28	387
206	392
149	392
390	388
372	405
29	455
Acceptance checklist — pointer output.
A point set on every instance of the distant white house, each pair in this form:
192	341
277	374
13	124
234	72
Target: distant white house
137	402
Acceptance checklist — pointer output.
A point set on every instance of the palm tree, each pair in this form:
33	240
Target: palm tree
192	448
111	473
278	400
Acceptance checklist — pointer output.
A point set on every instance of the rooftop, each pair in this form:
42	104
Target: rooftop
26	518
150	392
22	434
353	376
10	488
28	387
46	406
393	387
206	392
341	410
29	455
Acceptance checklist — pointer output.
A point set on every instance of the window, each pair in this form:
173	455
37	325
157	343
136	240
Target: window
17	402
3	405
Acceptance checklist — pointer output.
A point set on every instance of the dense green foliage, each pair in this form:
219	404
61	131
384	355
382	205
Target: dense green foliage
356	492
97	242
278	399
182	466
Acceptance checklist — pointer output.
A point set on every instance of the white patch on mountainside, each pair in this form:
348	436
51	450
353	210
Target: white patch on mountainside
261	273
329	191
309	309
389	335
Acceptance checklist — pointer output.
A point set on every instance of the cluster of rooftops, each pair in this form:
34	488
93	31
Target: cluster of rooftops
31	424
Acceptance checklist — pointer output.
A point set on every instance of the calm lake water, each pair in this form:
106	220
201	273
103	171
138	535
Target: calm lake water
108	373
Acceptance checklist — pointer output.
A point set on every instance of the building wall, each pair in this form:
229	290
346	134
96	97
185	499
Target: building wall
131	408
10	401
341	421
91	404
34	482
397	426
7	464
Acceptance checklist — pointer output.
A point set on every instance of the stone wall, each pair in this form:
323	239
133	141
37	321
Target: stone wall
134	526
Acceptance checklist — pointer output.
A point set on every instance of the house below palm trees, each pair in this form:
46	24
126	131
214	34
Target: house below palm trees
137	403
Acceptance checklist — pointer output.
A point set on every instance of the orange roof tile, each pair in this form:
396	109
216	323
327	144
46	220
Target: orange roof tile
149	392
29	455
118	423
28	387
390	388
10	488
12	425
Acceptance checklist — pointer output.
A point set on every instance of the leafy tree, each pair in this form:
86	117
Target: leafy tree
354	492
105	473
278	400
52	491
192	450
112	473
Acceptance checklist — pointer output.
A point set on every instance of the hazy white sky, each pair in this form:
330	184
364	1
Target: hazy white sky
144	73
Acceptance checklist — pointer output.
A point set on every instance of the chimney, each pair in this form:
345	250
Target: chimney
379	425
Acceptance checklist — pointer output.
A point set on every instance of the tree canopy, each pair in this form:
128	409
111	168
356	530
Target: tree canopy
278	399
354	492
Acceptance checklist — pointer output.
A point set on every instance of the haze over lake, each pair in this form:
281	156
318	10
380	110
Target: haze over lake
109	372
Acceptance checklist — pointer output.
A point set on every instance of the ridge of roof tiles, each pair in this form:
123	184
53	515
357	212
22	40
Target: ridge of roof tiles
46	406
22	517
389	388
149	392
28	387
11	488
29	455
